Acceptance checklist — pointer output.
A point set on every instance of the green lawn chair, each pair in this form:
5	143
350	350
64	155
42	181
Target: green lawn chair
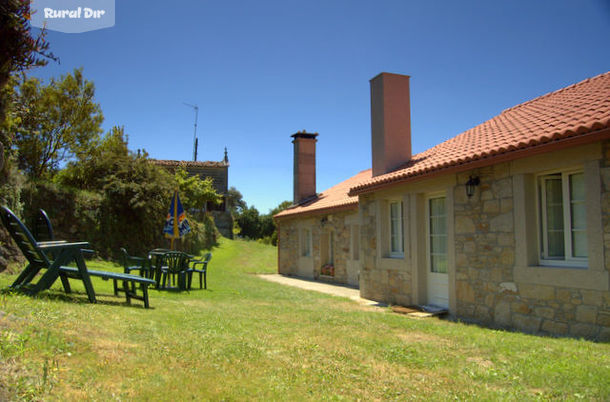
37	255
175	264
200	267
132	263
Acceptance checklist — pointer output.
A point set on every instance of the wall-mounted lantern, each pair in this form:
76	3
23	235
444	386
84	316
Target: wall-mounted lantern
471	184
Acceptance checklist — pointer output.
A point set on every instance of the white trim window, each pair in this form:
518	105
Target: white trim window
437	235
563	223
305	243
396	229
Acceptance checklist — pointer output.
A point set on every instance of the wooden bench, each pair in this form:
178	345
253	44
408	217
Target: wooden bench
126	279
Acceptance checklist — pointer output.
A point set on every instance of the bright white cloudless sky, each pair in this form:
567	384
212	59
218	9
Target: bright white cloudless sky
262	70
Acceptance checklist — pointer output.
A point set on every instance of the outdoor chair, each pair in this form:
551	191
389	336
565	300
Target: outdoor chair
200	267
133	263
51	257
155	258
43	230
175	264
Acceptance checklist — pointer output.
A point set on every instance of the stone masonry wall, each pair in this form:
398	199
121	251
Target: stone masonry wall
388	284
485	249
484	258
289	247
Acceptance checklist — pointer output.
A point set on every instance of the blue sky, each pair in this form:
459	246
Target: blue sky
262	70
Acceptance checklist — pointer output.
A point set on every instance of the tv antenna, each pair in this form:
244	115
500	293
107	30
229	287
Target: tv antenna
195	140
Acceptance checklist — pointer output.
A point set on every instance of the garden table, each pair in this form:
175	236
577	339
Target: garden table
166	262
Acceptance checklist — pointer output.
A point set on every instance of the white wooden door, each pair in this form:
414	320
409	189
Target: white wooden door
353	262
437	277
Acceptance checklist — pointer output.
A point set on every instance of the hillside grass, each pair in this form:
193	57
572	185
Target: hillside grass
246	338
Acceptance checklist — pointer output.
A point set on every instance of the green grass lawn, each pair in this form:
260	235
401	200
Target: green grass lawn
246	338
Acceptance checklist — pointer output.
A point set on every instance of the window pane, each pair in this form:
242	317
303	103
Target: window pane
438	263
579	244
438	244
394	210
577	187
438	235
437	206
396	227
553	190
578	218
394	243
556	244
554	217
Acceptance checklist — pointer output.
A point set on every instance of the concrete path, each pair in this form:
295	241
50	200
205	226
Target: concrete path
328	288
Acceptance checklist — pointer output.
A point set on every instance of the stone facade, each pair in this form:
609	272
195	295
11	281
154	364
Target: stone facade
381	279
494	275
291	261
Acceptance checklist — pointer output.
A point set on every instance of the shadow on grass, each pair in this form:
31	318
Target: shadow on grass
74	297
596	338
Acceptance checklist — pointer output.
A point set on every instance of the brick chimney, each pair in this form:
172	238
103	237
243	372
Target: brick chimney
390	122
304	178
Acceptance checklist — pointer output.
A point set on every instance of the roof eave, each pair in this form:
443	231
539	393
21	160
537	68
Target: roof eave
321	211
582	139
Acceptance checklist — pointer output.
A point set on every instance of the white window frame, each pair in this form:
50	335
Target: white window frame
305	242
568	260
428	215
401	243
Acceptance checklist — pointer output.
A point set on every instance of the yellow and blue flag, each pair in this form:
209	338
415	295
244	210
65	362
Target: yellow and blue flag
176	224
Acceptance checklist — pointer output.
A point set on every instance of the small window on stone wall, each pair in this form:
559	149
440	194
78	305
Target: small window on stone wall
305	243
562	223
396	229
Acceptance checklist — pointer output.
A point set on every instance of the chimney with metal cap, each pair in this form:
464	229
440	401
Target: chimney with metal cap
304	165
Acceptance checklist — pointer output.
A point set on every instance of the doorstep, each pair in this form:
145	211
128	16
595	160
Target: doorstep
424	311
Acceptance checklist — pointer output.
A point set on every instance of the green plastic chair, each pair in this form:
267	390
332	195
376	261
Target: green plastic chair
133	263
175	265
200	267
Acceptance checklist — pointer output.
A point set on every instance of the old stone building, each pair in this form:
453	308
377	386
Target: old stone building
506	224
218	171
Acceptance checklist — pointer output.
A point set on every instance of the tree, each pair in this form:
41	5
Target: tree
271	226
19	51
195	192
134	194
54	123
235	202
249	223
253	225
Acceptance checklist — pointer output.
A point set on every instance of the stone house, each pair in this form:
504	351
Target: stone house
319	234
218	171
506	224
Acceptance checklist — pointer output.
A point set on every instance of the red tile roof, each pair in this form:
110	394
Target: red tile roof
172	163
578	111
333	199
